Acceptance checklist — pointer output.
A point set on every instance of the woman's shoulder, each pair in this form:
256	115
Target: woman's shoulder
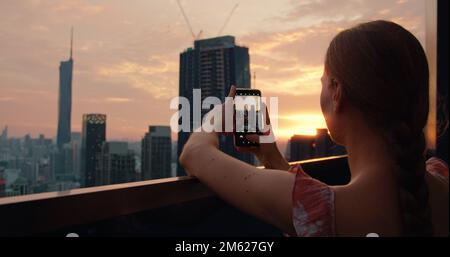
313	205
438	168
323	210
437	181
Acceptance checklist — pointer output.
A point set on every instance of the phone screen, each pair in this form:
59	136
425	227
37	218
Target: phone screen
247	116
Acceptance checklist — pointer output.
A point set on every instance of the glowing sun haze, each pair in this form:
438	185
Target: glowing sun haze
126	55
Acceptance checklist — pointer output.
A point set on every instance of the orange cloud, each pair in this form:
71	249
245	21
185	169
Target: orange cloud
306	82
156	80
117	100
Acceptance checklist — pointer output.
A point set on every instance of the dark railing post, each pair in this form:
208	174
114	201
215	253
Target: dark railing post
442	80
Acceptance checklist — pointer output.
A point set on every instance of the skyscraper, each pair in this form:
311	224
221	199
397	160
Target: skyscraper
93	136
65	99
213	66
156	153
116	164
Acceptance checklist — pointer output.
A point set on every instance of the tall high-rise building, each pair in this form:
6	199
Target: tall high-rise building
92	138
213	66
116	164
156	153
65	99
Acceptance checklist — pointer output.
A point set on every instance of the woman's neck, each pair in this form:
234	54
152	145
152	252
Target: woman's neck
368	153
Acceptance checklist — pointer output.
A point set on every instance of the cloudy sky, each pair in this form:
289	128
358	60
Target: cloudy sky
126	55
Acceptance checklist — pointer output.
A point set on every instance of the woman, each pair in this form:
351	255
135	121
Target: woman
375	102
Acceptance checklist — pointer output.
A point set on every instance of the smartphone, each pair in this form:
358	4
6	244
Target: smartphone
247	116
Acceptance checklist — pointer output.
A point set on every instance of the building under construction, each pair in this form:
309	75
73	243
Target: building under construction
213	66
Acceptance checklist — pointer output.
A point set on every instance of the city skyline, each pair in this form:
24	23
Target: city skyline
127	63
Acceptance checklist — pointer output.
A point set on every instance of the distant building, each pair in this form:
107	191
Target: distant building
303	147
66	161
115	164
2	180
93	136
76	153
31	157
323	143
62	186
4	137
2	187
19	187
15	183
173	171
25	164
156	153
65	100
44	171
213	66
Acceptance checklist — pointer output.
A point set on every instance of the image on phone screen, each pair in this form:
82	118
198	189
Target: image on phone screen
247	116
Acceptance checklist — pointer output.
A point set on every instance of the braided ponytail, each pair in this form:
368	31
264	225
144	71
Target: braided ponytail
408	149
384	72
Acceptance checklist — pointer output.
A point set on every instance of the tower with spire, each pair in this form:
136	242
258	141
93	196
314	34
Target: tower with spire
65	98
4	136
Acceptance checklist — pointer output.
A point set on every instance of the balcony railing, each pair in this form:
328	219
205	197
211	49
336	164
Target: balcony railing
166	207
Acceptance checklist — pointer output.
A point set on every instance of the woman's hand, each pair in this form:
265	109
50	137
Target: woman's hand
207	139
267	152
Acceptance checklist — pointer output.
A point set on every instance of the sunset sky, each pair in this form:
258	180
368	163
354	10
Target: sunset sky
126	55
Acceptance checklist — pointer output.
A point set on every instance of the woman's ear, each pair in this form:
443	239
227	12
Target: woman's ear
337	95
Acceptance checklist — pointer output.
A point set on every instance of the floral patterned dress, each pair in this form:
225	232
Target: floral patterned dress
313	210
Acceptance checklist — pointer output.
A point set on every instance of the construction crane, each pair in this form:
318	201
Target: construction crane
188	23
199	35
228	19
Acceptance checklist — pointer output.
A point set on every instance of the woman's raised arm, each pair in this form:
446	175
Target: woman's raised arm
266	194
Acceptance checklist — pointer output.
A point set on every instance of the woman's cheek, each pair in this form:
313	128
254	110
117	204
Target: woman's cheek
325	102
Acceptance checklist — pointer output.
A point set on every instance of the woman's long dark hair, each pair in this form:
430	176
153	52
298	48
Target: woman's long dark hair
384	71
